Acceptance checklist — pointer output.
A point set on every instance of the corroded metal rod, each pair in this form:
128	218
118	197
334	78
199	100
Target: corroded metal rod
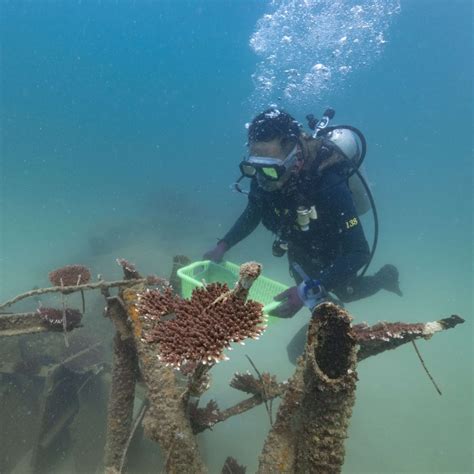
385	336
312	421
165	421
122	393
100	285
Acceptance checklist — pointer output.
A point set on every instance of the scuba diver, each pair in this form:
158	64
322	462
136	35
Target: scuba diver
306	189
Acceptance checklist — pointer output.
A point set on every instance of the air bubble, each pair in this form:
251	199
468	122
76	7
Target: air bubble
309	48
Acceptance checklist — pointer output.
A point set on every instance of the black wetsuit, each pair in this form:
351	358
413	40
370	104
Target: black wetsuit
334	247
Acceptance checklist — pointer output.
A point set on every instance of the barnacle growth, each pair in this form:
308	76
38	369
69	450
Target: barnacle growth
312	421
59	319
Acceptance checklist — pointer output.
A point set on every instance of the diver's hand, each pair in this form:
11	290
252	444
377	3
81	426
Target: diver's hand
217	253
291	303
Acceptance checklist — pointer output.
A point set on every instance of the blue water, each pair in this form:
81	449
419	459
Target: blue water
122	125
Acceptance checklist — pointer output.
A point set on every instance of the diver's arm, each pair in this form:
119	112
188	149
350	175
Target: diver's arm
245	224
347	229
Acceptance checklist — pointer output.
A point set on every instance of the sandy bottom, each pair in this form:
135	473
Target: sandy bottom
400	424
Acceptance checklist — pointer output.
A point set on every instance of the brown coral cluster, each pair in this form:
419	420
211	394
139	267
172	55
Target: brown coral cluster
129	269
247	383
231	466
54	317
203	418
70	275
199	329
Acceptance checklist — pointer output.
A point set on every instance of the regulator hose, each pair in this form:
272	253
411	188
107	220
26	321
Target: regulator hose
376	221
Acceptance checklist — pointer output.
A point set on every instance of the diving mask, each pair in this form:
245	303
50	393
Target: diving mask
271	169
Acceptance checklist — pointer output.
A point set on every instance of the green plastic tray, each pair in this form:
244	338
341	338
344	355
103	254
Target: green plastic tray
263	290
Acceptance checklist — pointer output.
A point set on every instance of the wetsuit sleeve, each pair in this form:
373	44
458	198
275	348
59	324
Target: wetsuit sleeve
245	224
352	248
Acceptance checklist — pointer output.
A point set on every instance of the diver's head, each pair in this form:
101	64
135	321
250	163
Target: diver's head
274	149
274	124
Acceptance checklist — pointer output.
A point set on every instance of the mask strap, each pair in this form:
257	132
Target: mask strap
236	186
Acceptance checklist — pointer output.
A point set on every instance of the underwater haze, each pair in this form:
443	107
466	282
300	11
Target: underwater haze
122	127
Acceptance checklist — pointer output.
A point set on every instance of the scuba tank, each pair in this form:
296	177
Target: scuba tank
359	194
346	139
351	143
